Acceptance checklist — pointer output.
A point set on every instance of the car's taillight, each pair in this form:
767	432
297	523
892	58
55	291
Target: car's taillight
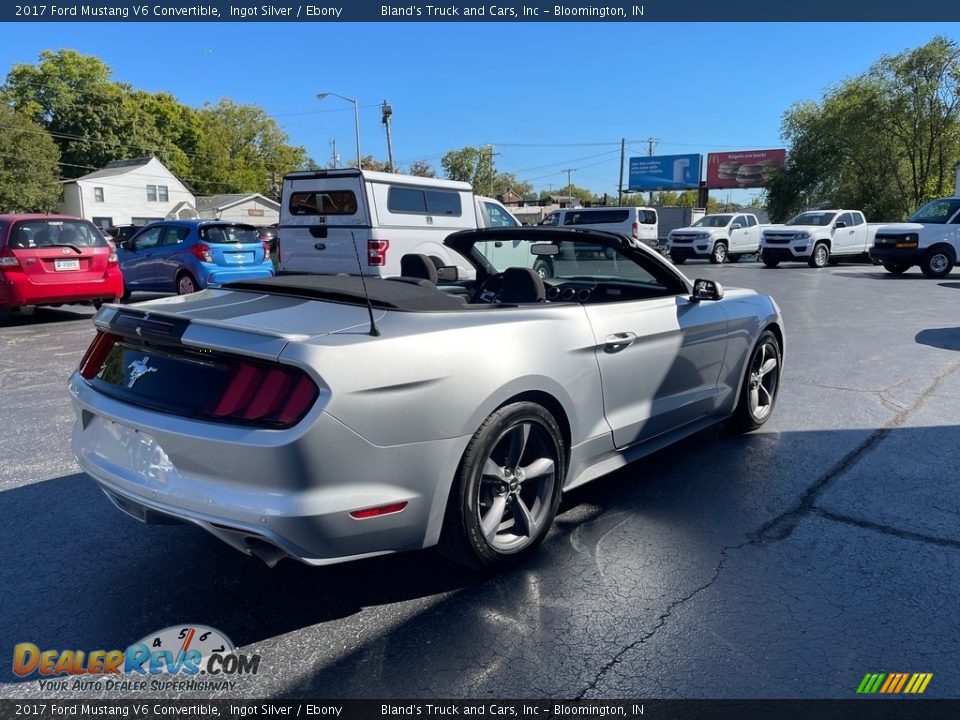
266	249
202	252
636	231
377	252
280	395
112	259
8	261
96	354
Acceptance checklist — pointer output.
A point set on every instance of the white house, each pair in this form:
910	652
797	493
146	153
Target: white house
250	208
125	192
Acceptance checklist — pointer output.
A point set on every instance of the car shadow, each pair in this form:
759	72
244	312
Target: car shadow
953	285
943	338
46	316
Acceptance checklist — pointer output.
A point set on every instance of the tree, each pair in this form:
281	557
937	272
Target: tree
240	149
29	165
422	168
885	141
503	182
472	165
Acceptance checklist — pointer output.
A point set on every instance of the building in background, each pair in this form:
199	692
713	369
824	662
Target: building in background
128	192
250	208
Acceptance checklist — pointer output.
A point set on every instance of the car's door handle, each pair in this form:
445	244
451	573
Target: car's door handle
619	341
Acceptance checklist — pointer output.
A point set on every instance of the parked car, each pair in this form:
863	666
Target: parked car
727	236
55	259
929	238
119	233
330	418
184	256
819	237
639	223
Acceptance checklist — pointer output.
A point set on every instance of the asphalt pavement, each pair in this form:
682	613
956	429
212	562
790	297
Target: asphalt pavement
786	563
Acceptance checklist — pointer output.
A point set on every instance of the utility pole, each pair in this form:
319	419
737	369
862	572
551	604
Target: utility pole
336	156
651	144
623	150
569	183
387	117
492	175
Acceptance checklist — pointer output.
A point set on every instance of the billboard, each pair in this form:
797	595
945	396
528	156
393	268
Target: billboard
664	172
743	169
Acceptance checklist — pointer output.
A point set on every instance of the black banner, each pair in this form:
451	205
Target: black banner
336	11
856	709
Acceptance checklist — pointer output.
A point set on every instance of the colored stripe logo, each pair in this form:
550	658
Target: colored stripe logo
894	683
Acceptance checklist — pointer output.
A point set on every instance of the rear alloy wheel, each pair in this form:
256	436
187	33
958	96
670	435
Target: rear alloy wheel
186	284
507	489
895	268
937	263
820	256
719	253
760	384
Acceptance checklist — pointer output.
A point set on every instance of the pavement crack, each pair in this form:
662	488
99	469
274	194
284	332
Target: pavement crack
780	527
887	529
881	394
661	621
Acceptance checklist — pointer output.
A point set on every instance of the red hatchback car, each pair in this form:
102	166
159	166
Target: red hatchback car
55	259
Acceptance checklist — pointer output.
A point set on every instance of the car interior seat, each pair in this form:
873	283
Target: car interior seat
522	285
413	265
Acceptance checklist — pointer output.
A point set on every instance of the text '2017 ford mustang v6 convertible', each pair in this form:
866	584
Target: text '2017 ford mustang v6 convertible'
330	418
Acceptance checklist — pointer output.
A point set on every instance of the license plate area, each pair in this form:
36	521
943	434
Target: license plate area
61	264
238	258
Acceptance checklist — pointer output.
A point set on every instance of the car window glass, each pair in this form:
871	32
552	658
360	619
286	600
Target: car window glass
175	235
498	218
50	233
550	220
323	202
149	238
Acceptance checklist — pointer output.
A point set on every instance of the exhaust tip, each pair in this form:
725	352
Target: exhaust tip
269	553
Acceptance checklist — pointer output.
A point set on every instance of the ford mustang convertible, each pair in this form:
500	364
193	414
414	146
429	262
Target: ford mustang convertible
330	418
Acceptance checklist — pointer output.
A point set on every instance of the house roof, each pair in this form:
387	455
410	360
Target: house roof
115	167
228	200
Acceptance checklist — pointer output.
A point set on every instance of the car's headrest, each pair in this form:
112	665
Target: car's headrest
418	266
522	285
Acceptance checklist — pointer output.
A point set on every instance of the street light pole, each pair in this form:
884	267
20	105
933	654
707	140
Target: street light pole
356	117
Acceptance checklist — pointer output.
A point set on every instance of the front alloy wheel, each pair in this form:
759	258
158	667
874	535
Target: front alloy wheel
820	256
760	384
507	490
719	253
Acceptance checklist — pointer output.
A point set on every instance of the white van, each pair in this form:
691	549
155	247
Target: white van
639	223
351	221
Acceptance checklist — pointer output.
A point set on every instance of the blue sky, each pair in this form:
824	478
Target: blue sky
548	96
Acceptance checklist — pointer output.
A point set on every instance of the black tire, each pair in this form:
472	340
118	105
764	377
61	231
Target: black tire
543	269
895	268
719	253
758	393
496	519
937	262
186	284
734	257
677	259
769	262
820	256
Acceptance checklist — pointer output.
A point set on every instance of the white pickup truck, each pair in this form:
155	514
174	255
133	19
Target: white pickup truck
930	238
726	236
818	237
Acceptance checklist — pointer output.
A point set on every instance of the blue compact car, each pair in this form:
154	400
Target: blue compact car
184	256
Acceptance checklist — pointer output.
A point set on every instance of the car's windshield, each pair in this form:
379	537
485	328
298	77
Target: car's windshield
713	221
229	234
52	233
937	211
563	260
813	218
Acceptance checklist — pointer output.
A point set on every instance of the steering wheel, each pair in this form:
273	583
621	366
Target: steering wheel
490	289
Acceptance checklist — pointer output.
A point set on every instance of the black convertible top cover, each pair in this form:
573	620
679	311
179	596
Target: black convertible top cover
387	294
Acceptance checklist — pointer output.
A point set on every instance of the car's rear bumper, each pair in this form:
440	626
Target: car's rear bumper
270	493
18	291
217	275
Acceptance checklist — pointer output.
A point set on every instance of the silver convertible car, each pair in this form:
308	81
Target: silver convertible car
330	418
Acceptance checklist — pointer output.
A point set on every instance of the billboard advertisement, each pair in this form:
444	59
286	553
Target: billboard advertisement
664	172
743	169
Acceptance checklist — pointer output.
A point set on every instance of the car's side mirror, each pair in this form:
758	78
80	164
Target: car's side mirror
840	224
736	226
127	245
706	290
448	273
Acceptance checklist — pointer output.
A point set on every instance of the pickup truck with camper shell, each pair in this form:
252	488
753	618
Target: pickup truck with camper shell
348	221
819	238
930	239
718	237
